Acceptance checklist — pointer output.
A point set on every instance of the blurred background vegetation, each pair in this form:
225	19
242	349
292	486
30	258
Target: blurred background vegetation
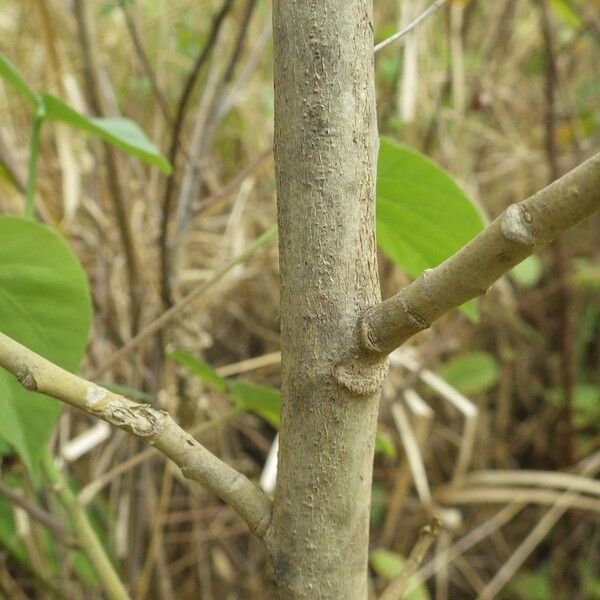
505	96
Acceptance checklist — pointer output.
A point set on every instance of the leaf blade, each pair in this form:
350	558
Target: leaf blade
11	75
201	369
471	372
121	133
45	305
423	216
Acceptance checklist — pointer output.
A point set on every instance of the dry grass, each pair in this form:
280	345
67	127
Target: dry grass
516	487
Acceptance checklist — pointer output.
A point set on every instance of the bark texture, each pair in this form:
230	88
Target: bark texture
520	230
325	156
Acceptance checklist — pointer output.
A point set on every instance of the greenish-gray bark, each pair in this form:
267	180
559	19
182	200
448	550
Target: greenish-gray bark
325	156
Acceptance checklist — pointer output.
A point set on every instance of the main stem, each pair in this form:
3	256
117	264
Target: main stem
325	155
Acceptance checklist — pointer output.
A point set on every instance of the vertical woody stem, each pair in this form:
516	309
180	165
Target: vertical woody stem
325	154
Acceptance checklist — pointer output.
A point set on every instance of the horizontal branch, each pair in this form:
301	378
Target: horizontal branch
155	427
514	235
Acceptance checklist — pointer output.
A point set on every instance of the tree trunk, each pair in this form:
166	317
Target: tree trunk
325	158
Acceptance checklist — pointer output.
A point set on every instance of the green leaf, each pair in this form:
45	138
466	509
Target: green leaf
247	396
385	445
471	373
566	14
5	449
122	133
591	581
11	75
533	585
45	305
586	402
201	369
379	505
263	400
527	273
587	275
389	564
423	216
9	537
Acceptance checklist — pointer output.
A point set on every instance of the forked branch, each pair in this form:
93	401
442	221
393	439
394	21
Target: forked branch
514	235
155	427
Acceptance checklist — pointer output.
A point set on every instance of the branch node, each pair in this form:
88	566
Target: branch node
94	396
140	419
367	336
516	225
27	380
261	528
187	471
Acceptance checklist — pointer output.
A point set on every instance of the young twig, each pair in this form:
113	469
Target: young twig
216	101
86	536
114	175
513	236
185	302
140	51
559	250
182	105
398	587
429	11
34	511
153	426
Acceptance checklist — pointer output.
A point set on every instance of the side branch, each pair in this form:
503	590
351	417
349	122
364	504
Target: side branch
155	427
514	235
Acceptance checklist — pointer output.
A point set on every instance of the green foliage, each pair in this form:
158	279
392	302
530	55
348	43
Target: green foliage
586	403
587	275
591	581
471	373
200	369
45	305
246	396
533	585
122	133
385	445
529	272
260	399
389	564
379	504
11	540
565	12
11	75
423	216
109	6
9	536
587	327
5	449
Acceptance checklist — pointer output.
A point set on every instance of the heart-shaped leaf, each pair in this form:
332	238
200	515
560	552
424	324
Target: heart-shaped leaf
44	305
472	372
423	216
